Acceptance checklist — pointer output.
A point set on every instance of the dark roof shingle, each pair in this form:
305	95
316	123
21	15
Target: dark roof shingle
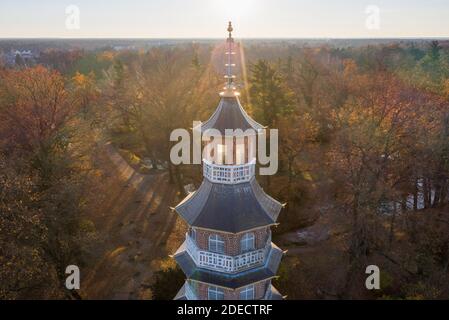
230	115
229	208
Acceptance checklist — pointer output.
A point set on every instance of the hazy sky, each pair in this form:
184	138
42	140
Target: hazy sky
208	18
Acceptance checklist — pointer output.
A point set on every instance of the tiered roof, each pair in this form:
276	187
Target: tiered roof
229	208
230	115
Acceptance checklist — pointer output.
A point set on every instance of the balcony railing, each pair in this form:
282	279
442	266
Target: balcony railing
229	174
224	263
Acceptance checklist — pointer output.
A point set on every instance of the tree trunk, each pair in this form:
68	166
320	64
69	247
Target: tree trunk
170	173
392	225
178	180
415	196
426	193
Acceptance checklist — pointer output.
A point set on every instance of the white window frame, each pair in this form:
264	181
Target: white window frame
247	293
248	242
215	293
216	244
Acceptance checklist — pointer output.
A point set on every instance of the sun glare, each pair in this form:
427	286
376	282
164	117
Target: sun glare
234	9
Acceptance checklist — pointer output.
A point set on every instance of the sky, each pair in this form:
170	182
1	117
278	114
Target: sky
208	18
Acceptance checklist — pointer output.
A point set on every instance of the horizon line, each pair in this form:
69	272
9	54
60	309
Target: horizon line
237	38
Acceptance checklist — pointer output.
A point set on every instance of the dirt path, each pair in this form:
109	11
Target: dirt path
133	221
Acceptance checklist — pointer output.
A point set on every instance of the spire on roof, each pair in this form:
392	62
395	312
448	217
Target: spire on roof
230	88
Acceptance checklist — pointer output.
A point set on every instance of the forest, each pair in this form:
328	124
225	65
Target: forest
86	178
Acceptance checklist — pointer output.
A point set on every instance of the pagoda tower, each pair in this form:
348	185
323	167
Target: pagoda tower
228	253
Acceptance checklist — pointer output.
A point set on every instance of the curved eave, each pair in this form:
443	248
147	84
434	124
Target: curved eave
229	208
275	295
270	205
230	115
181	295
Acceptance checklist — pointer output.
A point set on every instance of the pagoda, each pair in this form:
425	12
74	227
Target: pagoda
228	253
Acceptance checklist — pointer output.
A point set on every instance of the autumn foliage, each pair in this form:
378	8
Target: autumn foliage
364	145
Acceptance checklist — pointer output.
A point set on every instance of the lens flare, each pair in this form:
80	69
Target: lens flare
234	9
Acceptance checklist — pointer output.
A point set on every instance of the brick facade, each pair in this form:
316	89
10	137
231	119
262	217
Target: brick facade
232	241
200	289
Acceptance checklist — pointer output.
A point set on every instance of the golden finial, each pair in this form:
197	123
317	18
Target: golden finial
230	29
230	88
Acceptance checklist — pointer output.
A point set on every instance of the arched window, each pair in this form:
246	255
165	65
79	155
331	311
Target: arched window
214	293
247	242
216	243
247	293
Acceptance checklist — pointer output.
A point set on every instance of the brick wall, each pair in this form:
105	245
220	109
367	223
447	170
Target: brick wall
201	290
232	241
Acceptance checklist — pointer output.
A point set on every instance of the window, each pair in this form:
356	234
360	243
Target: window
247	242
214	293
216	243
247	293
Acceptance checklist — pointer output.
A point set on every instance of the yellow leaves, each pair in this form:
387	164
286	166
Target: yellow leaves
117	252
131	158
106	56
167	264
307	176
416	297
87	225
446	89
353	117
83	81
350	67
79	78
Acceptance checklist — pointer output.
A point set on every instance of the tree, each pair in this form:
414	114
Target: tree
85	89
159	96
35	106
434	51
24	268
19	61
270	98
37	128
167	283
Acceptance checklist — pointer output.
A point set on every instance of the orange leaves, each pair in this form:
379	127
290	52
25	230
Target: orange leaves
446	89
80	79
107	56
35	105
85	88
350	67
